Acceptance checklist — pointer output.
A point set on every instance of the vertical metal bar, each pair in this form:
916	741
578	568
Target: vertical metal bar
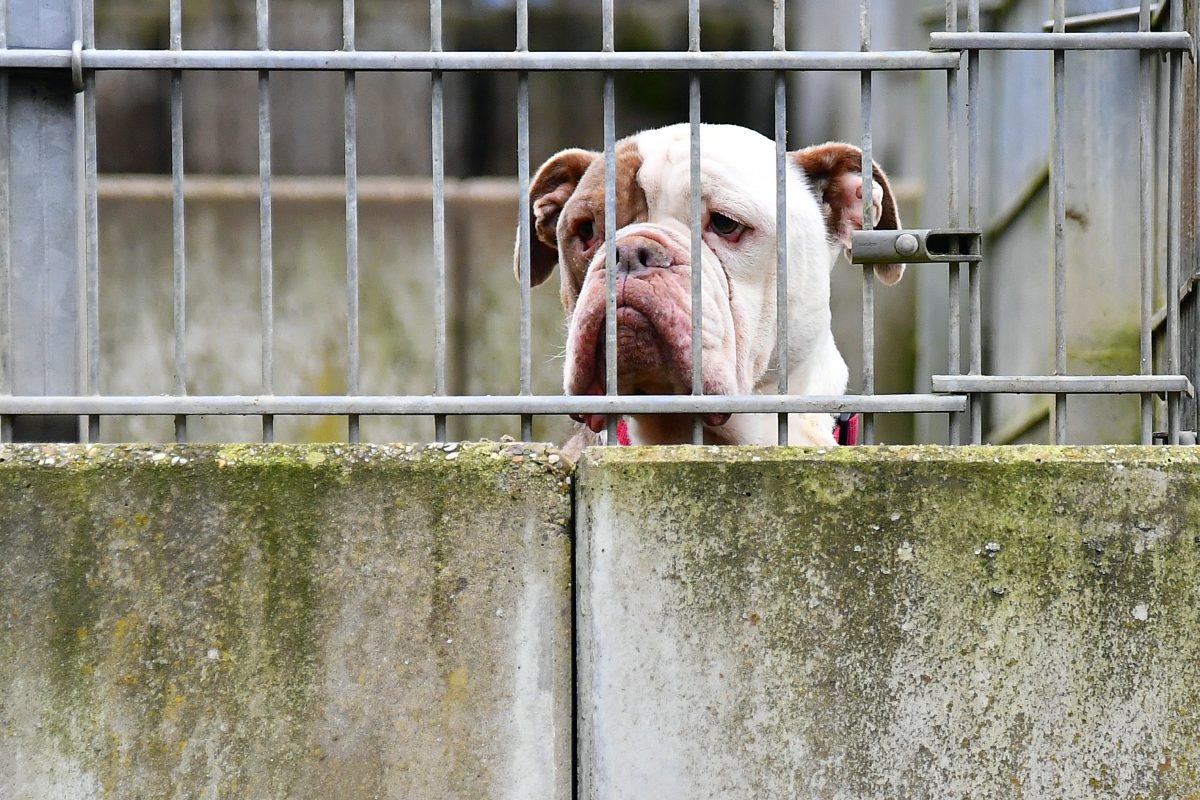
179	263
523	173
266	265
868	188
610	225
697	222
1174	220
439	220
44	235
1058	183
91	245
779	43
1146	176
1195	238
350	98
955	268
974	307
6	318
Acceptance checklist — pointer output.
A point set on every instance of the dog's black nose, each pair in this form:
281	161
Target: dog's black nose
637	253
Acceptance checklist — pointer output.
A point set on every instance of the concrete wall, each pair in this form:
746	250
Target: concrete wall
395	622
266	622
915	623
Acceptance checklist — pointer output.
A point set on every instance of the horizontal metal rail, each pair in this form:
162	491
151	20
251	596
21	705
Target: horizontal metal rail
1129	14
306	189
385	405
994	40
1061	384
406	61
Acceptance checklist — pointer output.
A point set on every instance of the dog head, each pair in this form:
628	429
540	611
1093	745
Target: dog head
737	256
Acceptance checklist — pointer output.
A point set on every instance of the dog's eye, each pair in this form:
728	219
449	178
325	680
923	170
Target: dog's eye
725	227
586	232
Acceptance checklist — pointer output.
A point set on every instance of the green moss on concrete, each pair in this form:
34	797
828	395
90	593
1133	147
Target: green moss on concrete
1117	352
171	610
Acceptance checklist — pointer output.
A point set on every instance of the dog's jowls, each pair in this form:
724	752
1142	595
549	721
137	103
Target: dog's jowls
738	259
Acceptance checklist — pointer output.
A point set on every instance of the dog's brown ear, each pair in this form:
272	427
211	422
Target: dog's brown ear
549	191
835	171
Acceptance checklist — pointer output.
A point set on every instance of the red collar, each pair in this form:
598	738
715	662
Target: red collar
845	430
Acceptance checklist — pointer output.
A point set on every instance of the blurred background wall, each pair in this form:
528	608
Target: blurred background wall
480	141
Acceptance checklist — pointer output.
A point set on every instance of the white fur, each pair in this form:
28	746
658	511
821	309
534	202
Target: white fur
738	176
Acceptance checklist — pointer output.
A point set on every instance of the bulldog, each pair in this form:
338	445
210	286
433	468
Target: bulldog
738	259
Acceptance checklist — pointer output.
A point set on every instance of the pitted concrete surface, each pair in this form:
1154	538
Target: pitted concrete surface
889	623
284	622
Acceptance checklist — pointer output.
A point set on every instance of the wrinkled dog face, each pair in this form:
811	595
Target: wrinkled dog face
737	257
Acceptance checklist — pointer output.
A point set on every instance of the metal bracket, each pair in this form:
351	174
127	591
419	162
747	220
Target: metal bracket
931	246
77	66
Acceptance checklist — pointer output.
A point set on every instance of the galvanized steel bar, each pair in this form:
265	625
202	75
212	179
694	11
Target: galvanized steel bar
1145	230
526	332
350	127
1058	384
522	26
868	196
974	301
997	40
91	231
1096	18
439	219
178	229
697	220
306	189
1195	238
954	355
1174	220
610	227
465	61
266	258
425	405
782	345
1059	190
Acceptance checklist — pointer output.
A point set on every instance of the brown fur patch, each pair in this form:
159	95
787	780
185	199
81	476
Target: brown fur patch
549	191
587	203
825	164
572	182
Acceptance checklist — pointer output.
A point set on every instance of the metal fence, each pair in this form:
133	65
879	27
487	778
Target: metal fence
49	270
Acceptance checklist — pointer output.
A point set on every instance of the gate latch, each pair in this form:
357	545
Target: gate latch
931	246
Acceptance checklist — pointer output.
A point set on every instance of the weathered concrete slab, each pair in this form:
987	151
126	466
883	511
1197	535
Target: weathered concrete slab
284	622
918	623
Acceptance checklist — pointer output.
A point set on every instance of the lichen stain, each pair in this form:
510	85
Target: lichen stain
456	686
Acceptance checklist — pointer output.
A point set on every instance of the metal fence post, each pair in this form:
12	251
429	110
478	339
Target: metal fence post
43	210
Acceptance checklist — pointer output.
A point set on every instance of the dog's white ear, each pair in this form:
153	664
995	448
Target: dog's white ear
835	171
549	191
